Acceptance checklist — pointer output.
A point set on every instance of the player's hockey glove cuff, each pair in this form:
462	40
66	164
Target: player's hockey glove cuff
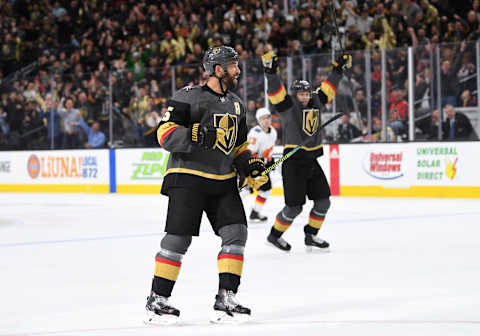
255	179
270	63
204	136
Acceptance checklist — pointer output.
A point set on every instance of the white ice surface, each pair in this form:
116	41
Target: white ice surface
82	265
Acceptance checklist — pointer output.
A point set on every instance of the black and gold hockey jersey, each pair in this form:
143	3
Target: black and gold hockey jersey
300	125
191	165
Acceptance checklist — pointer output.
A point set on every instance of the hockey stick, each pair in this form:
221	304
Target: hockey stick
293	151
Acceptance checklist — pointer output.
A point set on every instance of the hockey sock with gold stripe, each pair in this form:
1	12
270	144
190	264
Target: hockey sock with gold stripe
167	268
315	222
282	224
230	266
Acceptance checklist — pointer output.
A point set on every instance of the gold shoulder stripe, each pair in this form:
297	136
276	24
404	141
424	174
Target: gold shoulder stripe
278	97
328	89
240	149
201	173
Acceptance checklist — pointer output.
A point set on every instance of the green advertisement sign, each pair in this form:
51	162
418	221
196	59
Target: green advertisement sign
436	163
152	166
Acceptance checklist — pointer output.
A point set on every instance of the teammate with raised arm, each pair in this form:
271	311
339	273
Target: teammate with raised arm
301	174
262	139
205	131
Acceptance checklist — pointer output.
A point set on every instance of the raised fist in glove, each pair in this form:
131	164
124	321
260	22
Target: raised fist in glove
204	136
255	179
270	63
342	63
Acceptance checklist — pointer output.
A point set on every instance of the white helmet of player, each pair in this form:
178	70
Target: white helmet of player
263	111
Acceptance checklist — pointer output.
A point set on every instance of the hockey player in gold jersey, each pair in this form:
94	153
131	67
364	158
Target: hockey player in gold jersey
302	176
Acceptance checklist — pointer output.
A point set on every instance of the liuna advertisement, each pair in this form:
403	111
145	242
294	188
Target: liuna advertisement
57	171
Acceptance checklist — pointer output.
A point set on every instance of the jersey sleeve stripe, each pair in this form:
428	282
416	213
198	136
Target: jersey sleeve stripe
328	89
241	149
164	130
279	96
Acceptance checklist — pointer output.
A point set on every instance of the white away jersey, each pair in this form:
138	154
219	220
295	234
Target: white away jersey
261	143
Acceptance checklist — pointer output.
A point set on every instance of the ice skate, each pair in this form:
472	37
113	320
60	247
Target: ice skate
314	243
257	217
159	311
279	243
227	309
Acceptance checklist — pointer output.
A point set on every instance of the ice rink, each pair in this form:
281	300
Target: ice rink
82	265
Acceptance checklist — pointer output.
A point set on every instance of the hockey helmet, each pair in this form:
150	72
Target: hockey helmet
301	85
263	111
218	56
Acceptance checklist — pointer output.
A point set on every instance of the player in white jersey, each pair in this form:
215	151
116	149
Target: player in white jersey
261	140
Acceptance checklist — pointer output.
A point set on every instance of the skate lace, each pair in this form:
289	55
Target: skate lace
317	240
282	242
159	301
231	301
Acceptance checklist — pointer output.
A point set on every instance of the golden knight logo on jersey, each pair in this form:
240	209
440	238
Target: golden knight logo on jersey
311	119
227	128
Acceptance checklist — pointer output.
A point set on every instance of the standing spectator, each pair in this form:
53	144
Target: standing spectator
95	137
71	120
346	130
449	79
457	126
51	116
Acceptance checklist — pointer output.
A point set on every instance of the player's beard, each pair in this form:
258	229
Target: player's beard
230	82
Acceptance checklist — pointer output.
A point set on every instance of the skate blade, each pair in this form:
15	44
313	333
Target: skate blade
276	248
313	249
220	317
154	319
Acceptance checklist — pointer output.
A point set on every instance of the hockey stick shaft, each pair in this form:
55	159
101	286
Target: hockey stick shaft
293	151
332	8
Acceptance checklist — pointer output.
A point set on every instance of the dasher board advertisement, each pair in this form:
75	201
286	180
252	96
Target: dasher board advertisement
55	171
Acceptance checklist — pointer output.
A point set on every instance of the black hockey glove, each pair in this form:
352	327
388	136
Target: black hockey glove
342	63
255	179
204	136
270	63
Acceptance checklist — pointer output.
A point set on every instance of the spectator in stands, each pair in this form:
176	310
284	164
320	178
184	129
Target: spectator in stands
4	128
448	78
51	118
362	106
398	111
95	137
70	118
429	126
346	131
377	131
457	126
467	99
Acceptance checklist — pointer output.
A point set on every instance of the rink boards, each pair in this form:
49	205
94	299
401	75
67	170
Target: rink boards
397	170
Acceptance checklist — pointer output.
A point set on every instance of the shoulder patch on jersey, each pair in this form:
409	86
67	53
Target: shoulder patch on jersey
257	129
